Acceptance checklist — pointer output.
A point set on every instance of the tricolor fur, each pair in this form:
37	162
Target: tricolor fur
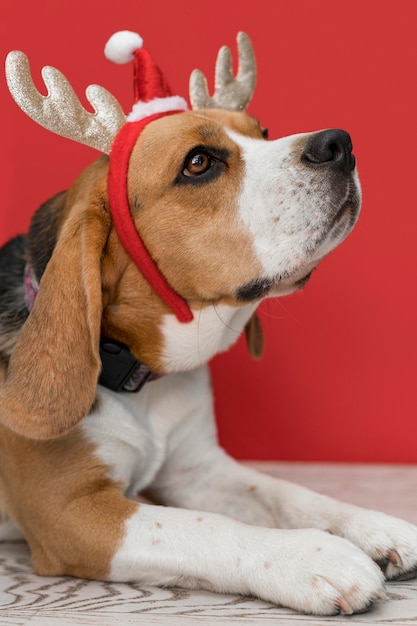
255	224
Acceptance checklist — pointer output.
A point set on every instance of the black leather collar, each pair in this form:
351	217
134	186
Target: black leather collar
121	371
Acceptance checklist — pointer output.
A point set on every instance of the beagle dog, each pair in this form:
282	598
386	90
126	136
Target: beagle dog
228	219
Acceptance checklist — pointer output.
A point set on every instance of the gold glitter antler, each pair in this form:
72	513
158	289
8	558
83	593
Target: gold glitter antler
61	111
232	94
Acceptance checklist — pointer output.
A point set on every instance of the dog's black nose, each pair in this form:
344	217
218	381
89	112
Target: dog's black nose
330	148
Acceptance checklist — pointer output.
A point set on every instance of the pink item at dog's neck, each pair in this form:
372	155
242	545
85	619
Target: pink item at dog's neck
123	219
31	287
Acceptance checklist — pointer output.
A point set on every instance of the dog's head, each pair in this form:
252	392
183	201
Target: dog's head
228	217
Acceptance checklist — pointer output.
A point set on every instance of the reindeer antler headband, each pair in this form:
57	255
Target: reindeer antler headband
110	131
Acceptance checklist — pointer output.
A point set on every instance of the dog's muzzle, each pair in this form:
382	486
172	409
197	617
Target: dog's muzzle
322	206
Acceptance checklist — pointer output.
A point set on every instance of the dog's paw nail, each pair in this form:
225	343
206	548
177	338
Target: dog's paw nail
394	558
381	594
345	608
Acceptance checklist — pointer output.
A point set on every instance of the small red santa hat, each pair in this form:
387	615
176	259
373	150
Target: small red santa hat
153	99
152	93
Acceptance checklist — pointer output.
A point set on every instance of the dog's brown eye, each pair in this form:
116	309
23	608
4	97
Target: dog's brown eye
197	164
202	165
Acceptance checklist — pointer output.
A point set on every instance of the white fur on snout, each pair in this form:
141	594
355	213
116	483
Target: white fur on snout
288	207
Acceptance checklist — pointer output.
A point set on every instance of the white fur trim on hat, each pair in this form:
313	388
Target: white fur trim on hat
157	105
121	46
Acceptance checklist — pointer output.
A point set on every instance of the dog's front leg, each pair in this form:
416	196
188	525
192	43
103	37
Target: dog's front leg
299	569
220	484
200	475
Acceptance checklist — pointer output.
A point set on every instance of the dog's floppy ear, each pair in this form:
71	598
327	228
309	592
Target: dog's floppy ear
51	380
254	336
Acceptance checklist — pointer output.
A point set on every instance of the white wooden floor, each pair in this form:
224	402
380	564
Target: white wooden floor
28	600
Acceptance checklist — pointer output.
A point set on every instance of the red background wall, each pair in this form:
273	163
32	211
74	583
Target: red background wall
338	378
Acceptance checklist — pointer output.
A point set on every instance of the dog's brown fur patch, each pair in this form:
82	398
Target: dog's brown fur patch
59	494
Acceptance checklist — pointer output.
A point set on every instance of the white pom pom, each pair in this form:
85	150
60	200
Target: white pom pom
121	46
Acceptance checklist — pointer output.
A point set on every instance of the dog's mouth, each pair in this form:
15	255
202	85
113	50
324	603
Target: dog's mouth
279	285
299	284
344	220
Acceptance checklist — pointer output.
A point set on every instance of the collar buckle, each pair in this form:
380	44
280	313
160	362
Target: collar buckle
121	371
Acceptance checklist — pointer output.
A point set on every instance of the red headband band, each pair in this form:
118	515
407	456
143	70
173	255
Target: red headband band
123	219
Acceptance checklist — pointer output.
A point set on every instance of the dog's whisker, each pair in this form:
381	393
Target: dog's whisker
289	313
235	330
266	312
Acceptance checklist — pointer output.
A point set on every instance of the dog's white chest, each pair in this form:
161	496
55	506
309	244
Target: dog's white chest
134	432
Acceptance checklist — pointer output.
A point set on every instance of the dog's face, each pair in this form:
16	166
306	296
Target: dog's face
230	217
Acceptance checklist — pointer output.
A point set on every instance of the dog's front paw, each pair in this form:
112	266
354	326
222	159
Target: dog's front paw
389	541
314	572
